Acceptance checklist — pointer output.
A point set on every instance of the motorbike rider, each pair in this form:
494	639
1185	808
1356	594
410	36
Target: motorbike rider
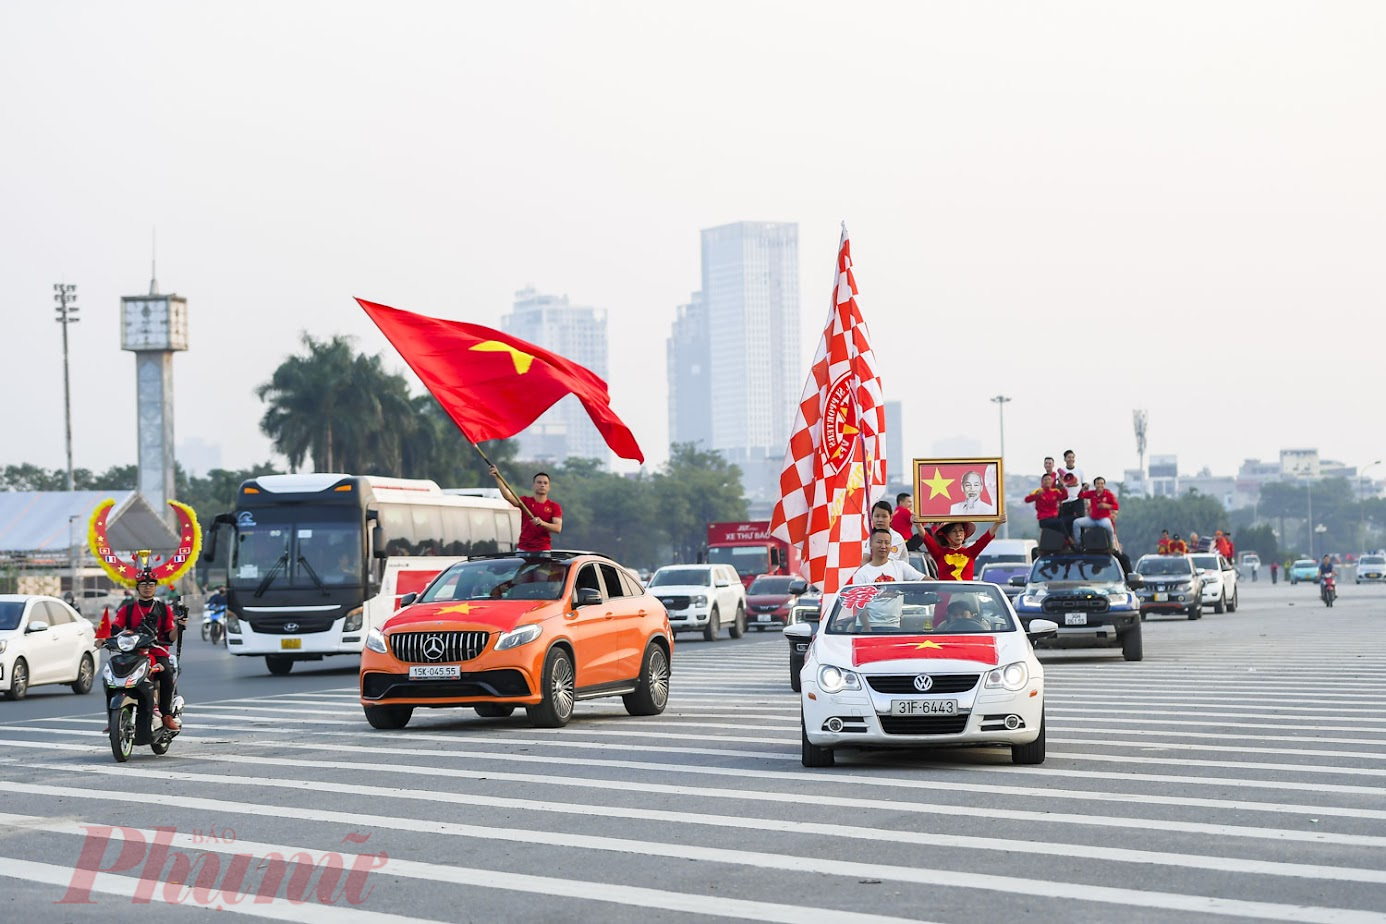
1325	568
218	597
148	609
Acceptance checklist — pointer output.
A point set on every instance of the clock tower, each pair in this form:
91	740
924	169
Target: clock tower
153	326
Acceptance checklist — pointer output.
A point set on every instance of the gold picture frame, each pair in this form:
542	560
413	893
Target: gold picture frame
939	495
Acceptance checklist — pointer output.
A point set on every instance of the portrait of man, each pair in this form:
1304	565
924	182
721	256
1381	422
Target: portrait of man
972	504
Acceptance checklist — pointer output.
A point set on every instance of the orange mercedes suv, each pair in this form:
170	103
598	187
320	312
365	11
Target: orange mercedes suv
535	629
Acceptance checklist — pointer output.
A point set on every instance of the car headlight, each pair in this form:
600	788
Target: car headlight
233	623
1031	599
1184	586
1119	596
835	679
375	641
2	647
700	600
520	635
1012	677
353	620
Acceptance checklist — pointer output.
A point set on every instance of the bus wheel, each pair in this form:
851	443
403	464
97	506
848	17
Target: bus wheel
279	665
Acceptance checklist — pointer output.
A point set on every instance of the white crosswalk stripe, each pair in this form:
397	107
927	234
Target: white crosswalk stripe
1239	780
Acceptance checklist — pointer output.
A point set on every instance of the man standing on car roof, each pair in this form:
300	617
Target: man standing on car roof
1071	480
540	518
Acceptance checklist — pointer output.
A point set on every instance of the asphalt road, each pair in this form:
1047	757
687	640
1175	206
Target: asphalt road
1236	773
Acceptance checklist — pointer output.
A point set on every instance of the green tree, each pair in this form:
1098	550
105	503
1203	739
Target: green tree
1141	519
696	487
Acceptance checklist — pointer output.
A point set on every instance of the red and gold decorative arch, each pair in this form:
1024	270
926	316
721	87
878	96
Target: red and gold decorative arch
167	569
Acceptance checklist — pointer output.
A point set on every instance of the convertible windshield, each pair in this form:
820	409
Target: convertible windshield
499	579
686	577
1097	568
920	608
1164	565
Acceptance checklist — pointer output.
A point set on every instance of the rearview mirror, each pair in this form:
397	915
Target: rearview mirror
1042	628
928	598
378	542
37	625
587	596
798	587
1135	581
799	632
407	599
1018	581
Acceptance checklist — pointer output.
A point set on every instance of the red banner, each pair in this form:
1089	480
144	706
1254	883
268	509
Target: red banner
981	648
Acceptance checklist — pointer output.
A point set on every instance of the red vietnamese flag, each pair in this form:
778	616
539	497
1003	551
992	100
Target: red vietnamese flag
494	385
866	649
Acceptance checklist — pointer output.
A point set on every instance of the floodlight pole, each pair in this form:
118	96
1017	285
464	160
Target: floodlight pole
65	295
1000	401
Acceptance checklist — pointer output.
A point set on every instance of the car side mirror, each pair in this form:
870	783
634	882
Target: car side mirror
799	632
1042	628
1135	581
1018	581
407	599
798	587
588	596
37	625
378	541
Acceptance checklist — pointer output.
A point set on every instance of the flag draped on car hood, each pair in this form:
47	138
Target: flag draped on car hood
835	464
494	385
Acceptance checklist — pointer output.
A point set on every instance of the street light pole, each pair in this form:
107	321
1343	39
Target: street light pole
1309	522
65	295
1000	401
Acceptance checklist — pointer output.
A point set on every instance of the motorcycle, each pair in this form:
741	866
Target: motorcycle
214	623
1328	589
131	694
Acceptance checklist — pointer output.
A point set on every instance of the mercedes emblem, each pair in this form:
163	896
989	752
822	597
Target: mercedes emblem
923	683
433	648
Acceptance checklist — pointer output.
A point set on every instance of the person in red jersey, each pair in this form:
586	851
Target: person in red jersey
902	520
540	518
166	625
1104	507
1163	546
954	559
1047	499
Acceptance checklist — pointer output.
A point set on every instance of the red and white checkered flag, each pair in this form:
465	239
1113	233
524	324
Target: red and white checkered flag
835	464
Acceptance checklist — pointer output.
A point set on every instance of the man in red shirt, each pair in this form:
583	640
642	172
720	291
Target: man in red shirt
902	519
166	628
1047	499
540	518
1104	506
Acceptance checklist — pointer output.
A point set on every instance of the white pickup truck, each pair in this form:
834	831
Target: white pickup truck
1219	581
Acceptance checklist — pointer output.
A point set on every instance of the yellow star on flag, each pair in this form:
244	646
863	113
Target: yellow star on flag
462	608
938	485
927	644
521	359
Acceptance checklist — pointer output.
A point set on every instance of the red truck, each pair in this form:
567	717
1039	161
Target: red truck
750	549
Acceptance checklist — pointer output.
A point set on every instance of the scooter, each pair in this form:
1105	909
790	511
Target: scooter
1328	589
214	623
129	680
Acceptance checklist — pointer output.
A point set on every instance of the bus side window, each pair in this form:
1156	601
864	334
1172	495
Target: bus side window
398	527
428	530
504	537
483	532
457	532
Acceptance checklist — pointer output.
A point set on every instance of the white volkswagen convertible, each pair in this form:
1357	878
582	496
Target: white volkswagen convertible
922	664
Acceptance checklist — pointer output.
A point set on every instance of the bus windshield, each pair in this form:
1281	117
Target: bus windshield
310	549
748	560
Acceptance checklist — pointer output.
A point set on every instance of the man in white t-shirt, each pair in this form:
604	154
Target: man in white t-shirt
1070	478
880	519
883	611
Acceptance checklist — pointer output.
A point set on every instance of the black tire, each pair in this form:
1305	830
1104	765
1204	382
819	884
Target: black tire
206	631
1196	612
810	754
389	717
559	689
279	665
493	710
738	626
1032	753
1234	602
1131	645
19	680
86	673
160	745
1220	607
652	695
122	734
714	626
218	633
795	666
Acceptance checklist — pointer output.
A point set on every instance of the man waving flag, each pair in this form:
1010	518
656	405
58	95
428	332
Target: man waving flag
835	464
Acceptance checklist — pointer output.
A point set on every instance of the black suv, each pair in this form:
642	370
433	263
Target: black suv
1089	595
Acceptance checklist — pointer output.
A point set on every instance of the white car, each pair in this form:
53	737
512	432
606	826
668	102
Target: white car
701	597
43	640
887	670
1371	569
1219	581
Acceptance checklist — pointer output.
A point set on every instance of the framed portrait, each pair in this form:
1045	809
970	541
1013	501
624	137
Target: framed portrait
958	489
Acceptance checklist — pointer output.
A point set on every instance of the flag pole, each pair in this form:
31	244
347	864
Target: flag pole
504	484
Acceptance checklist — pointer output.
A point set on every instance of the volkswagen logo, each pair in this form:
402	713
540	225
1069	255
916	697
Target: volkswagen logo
290	627
923	683
433	648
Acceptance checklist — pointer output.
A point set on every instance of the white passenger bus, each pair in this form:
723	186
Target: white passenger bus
317	561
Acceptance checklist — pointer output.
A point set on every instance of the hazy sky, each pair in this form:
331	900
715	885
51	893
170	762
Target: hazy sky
1090	207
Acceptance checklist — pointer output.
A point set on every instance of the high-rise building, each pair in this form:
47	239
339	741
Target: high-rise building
574	332
750	294
690	391
897	466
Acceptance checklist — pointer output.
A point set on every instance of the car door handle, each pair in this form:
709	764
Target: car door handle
640	613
